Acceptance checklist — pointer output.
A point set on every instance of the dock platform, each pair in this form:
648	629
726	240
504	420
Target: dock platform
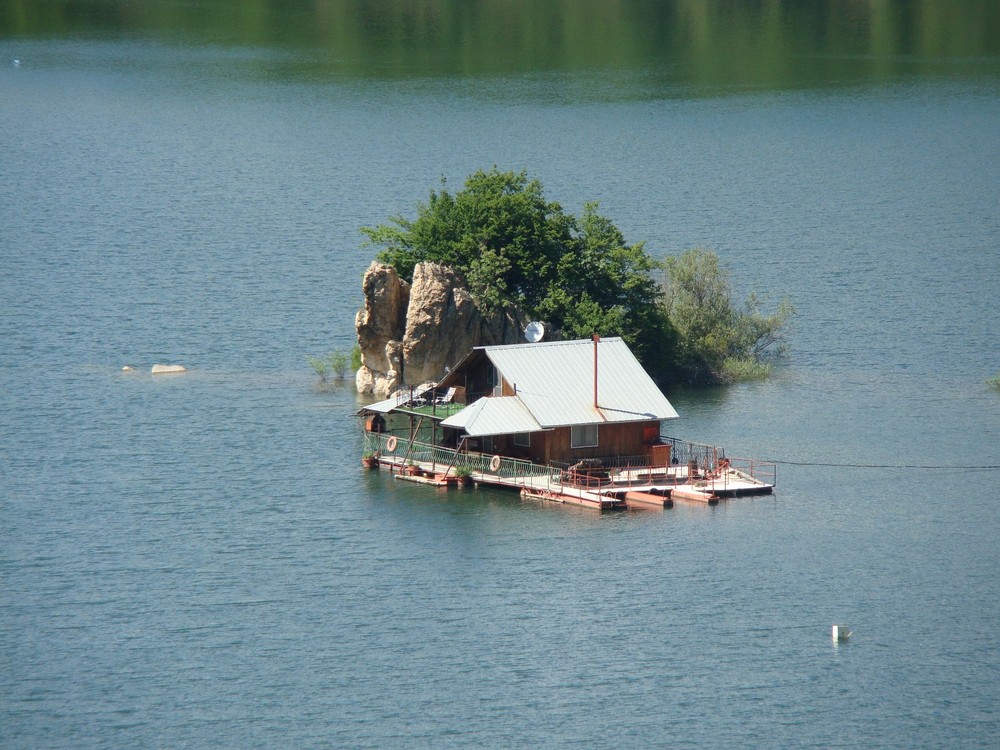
620	489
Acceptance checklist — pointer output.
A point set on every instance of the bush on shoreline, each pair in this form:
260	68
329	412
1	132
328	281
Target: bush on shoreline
718	341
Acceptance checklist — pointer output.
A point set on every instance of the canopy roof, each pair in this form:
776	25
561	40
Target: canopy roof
499	415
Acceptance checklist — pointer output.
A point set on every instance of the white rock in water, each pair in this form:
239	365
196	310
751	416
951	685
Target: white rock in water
162	369
128	368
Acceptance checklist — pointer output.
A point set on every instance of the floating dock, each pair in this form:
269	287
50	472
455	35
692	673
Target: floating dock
618	489
549	420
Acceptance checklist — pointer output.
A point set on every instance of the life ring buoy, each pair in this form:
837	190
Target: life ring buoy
495	464
390	444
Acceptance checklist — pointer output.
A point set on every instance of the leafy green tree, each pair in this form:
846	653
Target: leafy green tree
499	232
516	249
717	340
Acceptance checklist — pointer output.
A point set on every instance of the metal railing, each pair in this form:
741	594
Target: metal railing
401	450
689	463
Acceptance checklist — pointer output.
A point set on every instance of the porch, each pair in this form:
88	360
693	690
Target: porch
696	472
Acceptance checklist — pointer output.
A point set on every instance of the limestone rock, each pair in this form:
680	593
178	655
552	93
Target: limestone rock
383	317
442	323
377	383
164	369
365	380
410	334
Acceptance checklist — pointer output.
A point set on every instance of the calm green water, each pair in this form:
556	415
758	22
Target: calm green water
199	561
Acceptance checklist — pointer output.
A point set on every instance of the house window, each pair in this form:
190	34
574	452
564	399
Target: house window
493	380
522	439
583	436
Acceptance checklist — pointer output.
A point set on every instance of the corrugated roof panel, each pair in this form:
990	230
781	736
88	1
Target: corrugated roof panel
499	415
384	407
555	380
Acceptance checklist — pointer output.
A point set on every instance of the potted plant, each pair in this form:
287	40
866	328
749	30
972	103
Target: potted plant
464	474
369	460
411	468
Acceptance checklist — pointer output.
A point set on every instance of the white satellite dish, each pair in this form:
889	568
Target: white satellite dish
534	332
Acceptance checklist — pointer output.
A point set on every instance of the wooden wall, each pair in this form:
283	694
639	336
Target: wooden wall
554	445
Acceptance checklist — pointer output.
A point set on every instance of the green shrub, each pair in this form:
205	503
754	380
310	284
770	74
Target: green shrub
336	364
994	382
339	360
717	340
320	366
741	369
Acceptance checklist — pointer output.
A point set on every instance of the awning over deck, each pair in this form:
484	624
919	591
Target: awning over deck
384	407
494	416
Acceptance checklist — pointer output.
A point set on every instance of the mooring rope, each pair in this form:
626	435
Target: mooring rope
936	467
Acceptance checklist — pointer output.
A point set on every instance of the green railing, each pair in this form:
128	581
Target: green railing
402	449
699	459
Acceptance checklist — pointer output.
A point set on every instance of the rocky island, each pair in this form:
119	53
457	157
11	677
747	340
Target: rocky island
410	334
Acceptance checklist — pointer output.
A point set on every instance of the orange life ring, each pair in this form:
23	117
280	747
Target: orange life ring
390	444
495	464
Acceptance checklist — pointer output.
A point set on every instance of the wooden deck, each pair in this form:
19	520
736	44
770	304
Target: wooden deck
636	488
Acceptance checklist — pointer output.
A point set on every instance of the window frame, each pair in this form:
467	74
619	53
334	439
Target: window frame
581	432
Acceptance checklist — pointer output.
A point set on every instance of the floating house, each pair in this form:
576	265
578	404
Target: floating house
577	422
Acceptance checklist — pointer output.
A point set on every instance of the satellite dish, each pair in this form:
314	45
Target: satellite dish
534	332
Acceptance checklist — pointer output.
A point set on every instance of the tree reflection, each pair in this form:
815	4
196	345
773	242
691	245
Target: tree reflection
776	44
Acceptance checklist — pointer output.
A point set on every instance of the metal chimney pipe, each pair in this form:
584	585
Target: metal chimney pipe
596	337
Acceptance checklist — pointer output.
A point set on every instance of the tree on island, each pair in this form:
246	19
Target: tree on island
717	341
515	249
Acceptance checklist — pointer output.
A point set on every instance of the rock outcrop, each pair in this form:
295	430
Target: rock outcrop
167	369
383	317
410	334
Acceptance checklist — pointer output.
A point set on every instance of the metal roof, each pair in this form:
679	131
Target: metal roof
499	415
402	397
383	407
555	381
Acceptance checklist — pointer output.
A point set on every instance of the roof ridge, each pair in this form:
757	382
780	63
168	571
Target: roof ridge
569	342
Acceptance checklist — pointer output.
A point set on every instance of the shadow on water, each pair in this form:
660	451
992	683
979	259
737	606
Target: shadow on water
691	400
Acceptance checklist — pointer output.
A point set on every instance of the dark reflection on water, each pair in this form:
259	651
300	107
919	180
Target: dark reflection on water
651	45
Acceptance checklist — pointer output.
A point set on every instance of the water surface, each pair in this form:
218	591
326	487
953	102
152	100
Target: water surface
198	561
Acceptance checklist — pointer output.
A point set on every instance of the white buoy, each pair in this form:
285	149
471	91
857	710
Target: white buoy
840	633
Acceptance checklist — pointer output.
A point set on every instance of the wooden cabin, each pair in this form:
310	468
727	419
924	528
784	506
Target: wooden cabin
560	402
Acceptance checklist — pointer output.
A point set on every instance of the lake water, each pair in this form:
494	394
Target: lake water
199	561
